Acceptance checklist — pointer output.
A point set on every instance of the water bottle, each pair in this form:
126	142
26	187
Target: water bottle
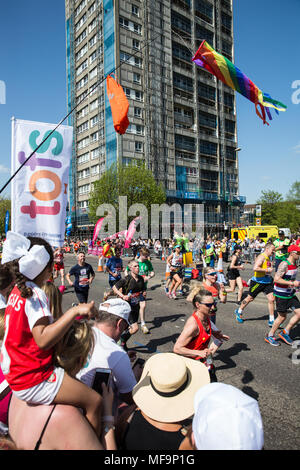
129	294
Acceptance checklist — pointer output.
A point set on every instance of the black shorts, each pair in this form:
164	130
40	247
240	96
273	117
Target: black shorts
258	287
134	314
283	305
179	273
233	274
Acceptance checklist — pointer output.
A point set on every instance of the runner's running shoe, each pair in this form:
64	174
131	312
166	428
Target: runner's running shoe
238	316
272	340
270	323
285	337
144	329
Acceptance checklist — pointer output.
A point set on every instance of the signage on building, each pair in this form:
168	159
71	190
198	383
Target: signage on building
258	221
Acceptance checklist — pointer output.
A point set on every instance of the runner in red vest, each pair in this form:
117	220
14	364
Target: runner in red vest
196	335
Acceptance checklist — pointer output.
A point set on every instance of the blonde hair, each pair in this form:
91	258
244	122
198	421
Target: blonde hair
195	287
54	298
72	351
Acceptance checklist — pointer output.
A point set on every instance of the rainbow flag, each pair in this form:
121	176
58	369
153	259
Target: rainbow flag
215	63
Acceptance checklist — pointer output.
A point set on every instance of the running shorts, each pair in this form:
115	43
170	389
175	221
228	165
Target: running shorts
233	274
58	266
283	305
179	272
258	287
134	314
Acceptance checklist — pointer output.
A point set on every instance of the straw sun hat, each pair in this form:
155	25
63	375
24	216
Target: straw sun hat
167	387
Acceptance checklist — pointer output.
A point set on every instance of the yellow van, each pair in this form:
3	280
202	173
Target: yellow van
262	231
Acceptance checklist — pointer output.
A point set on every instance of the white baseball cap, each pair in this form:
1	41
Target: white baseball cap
226	419
117	307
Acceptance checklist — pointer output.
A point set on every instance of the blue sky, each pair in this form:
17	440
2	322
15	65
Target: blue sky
32	65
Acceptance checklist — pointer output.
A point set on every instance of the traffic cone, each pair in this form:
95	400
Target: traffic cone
163	256
220	263
221	278
100	267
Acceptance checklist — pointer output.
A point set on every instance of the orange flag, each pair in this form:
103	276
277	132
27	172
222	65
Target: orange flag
118	103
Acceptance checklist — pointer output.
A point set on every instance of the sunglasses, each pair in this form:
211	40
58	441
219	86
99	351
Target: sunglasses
212	274
208	305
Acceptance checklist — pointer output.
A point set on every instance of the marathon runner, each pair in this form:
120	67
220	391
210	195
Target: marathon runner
194	340
175	261
59	267
262	281
132	289
114	267
284	291
234	275
147	272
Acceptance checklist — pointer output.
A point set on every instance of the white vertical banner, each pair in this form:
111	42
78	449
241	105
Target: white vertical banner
39	191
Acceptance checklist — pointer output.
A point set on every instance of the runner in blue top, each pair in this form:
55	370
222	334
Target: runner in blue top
114	267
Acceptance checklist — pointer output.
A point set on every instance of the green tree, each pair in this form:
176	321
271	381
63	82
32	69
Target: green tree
134	181
287	215
269	201
294	192
5	205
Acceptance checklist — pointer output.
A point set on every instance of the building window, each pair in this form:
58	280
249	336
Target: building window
82	51
95	170
83	173
80	7
83	158
94	121
136	44
83	112
93	73
95	137
84	189
82	67
137	78
94	105
83	127
135	10
138	146
137	112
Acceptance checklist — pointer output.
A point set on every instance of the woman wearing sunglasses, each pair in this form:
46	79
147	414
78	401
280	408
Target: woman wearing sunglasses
197	332
211	285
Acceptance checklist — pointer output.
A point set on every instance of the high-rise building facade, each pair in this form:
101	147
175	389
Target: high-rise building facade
182	120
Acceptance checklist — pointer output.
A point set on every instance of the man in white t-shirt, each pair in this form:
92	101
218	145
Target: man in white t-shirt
111	322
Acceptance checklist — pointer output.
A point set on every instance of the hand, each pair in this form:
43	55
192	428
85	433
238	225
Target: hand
108	398
269	270
86	309
242	267
203	353
296	283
